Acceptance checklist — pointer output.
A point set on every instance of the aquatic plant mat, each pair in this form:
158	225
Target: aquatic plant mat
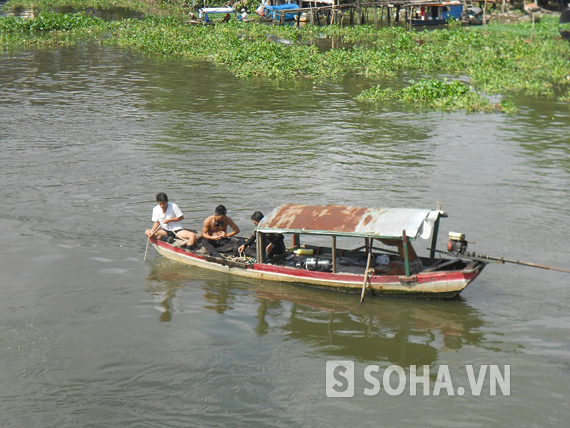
497	59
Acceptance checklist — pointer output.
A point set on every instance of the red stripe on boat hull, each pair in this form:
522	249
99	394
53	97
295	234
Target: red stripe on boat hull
445	284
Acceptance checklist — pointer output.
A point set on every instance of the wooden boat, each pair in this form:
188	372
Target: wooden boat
203	14
339	269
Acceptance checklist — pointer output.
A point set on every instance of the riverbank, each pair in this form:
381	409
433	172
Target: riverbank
134	5
498	59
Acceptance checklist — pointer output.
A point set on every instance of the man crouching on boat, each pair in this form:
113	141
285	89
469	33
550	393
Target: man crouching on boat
167	217
276	241
215	227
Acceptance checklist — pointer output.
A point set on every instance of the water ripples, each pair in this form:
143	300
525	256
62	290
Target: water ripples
90	134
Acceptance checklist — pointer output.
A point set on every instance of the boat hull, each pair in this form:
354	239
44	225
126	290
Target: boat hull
429	285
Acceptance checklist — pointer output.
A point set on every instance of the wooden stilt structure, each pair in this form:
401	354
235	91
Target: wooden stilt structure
381	12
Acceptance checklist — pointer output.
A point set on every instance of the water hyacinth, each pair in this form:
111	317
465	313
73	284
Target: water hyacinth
442	95
498	59
49	21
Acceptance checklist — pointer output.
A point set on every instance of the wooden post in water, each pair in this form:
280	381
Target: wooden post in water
532	27
376	17
333	17
484	19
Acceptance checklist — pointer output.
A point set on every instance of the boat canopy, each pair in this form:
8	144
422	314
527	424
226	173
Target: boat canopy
217	10
288	7
435	3
385	223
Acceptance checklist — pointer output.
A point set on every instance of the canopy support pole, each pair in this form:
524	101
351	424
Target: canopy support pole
406	257
296	241
334	254
435	232
260	247
434	238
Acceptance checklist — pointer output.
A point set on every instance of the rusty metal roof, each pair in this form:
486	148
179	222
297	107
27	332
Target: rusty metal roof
350	221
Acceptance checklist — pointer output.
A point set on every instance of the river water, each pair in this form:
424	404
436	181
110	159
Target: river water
90	335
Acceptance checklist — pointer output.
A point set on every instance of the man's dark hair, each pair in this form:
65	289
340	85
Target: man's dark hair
221	210
257	216
161	197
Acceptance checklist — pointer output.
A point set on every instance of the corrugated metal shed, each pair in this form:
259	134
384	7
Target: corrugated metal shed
350	221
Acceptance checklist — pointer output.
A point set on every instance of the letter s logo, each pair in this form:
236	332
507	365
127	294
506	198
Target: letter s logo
340	379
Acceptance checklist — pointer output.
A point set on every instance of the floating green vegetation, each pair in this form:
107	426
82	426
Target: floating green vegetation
49	21
497	59
440	95
48	28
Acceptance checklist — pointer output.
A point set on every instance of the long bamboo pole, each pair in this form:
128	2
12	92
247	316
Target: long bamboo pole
369	246
148	240
502	260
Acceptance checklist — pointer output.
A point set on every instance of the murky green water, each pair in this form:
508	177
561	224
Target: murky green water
92	336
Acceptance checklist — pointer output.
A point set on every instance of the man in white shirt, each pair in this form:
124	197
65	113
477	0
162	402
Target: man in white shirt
167	217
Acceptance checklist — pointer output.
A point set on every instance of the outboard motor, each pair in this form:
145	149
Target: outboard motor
457	243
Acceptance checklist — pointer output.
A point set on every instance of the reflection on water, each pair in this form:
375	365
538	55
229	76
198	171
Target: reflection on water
385	330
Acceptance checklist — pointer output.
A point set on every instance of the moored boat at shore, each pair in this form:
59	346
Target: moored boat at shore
437	13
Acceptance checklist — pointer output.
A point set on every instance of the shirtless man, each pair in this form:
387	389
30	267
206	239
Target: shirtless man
215	227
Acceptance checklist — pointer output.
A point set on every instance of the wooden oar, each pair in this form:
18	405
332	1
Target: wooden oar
366	273
148	240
